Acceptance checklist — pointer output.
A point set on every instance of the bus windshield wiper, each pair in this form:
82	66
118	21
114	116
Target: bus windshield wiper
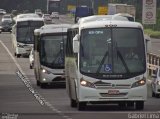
122	59
27	34
59	54
102	61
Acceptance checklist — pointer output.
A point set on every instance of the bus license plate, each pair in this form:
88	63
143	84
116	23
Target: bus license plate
113	92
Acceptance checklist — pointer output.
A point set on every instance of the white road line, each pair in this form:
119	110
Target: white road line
15	61
26	81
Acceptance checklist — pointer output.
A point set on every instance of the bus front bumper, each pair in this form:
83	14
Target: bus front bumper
95	95
23	51
52	78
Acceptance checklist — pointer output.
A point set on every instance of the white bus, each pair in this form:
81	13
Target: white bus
128	16
105	62
22	33
49	54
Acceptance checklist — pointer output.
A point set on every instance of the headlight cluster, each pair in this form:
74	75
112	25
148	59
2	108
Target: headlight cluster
158	82
45	71
32	59
139	83
21	46
86	83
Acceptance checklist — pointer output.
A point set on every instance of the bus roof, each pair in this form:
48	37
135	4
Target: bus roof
101	17
53	28
29	19
75	26
110	23
26	15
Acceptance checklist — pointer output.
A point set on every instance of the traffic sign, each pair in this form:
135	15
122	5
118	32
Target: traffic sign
149	12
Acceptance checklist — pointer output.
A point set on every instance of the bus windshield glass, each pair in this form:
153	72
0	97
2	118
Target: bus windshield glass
112	52
52	51
26	29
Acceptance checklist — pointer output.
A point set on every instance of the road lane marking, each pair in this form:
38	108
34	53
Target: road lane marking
15	61
22	75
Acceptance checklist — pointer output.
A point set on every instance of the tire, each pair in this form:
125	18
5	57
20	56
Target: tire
139	105
43	85
31	67
157	95
73	103
15	54
38	83
18	55
153	94
81	106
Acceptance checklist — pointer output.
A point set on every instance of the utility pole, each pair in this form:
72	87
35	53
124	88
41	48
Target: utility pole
92	4
77	3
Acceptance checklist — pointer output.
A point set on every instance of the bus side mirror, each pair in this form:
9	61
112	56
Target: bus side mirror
36	39
148	43
76	44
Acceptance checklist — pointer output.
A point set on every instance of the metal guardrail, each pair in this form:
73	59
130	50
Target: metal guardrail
153	62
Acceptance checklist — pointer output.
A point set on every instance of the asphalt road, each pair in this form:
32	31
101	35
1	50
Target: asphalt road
22	99
155	46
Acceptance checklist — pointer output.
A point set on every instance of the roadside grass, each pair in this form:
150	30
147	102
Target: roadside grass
153	34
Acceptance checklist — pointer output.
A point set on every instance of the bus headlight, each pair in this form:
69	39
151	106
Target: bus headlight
86	83
158	82
21	46
139	83
44	79
45	71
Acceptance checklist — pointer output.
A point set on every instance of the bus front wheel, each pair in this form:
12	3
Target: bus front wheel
18	55
38	83
73	103
153	94
43	85
81	106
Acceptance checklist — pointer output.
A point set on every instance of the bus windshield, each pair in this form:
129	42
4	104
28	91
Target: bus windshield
26	29
112	52
51	51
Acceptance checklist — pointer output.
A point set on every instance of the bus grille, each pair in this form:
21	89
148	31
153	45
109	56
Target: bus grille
59	79
111	86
